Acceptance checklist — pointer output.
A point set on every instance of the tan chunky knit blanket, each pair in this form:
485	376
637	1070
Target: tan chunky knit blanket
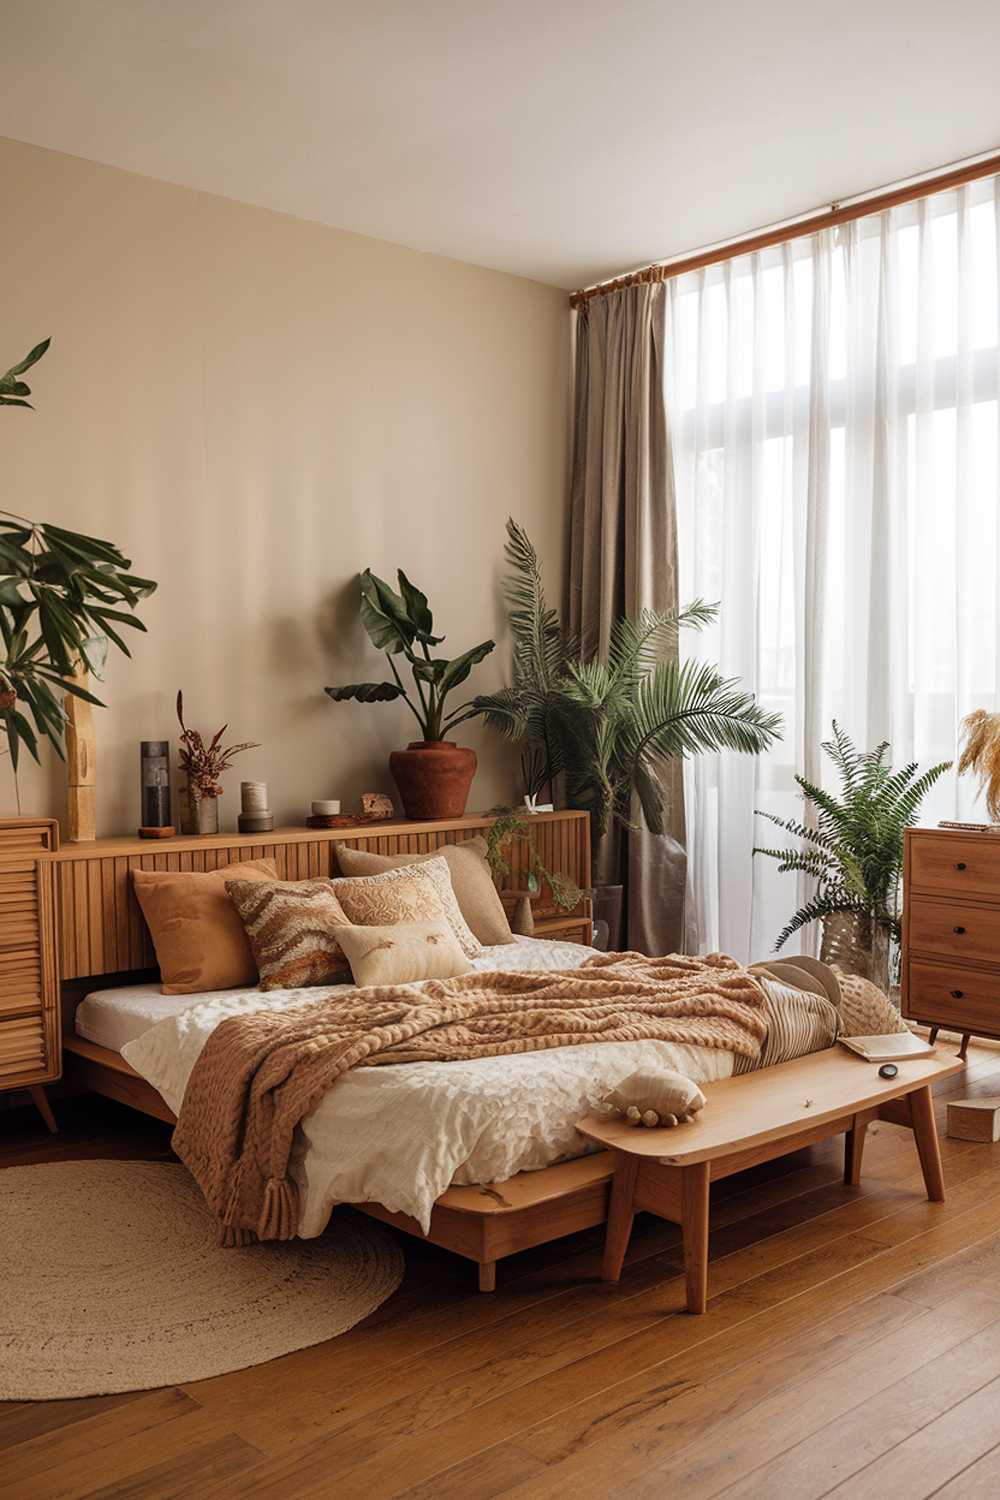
259	1074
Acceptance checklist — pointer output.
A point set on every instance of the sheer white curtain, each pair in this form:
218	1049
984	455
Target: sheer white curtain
833	405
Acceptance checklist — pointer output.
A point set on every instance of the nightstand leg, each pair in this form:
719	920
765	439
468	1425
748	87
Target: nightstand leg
620	1215
487	1275
932	1035
44	1108
694	1208
925	1131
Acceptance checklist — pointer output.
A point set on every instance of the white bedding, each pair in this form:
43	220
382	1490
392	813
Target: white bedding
400	1135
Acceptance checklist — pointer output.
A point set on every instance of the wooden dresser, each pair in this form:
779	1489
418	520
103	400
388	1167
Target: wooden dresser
30	1040
951	931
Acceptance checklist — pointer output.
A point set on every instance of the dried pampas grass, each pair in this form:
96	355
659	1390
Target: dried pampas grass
981	753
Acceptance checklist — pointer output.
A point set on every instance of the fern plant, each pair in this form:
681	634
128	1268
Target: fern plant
609	723
854	851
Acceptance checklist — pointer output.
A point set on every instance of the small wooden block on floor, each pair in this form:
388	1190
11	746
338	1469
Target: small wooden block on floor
975	1119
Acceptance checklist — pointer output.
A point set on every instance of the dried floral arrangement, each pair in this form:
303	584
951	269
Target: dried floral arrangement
203	764
981	754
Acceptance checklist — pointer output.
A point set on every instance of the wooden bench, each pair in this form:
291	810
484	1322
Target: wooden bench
753	1118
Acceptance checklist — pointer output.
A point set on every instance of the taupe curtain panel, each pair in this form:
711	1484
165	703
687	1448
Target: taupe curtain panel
623	555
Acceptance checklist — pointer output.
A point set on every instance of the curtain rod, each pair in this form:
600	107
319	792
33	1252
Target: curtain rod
763	239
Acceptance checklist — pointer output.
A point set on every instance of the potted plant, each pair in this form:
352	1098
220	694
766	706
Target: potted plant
63	597
608	724
203	766
981	754
509	830
433	773
853	849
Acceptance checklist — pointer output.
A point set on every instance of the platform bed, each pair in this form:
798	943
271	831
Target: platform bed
483	1224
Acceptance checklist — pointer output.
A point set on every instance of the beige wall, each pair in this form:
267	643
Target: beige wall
255	408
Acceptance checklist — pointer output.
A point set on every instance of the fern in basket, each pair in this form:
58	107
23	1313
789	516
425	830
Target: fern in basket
855	850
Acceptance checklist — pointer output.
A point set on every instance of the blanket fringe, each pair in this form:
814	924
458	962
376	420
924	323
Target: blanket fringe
279	1210
231	1237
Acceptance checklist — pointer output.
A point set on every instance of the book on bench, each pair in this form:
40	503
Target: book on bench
896	1046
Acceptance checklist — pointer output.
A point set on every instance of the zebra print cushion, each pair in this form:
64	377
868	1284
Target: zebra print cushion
797	1023
291	926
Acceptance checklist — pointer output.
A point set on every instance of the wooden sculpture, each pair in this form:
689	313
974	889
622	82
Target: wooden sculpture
81	763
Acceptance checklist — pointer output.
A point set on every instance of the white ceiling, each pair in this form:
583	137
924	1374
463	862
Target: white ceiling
564	140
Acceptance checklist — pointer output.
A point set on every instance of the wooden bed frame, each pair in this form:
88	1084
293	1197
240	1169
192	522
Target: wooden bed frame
102	942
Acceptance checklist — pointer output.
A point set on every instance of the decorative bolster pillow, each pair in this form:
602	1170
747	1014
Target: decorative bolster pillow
403	953
656	1096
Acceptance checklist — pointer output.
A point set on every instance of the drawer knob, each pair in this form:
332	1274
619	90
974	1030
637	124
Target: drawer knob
960	864
958	929
957	994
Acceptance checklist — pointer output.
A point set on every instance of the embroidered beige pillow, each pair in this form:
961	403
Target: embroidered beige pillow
471	881
413	894
403	953
292	929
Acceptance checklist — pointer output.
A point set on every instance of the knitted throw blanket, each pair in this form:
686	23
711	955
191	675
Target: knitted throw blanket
258	1075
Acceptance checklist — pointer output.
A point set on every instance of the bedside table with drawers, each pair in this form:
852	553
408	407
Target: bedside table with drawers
951	931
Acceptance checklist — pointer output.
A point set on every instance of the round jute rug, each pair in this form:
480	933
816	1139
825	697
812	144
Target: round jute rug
113	1280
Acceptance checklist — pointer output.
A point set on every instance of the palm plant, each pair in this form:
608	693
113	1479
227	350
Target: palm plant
63	596
610	723
854	851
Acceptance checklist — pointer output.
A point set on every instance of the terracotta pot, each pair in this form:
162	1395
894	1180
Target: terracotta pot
434	777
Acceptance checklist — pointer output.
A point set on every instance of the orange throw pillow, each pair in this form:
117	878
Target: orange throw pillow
197	933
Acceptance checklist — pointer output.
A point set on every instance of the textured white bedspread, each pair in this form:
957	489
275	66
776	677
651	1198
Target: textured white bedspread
400	1135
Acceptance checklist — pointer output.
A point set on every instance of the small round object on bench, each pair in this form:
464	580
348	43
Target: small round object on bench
656	1096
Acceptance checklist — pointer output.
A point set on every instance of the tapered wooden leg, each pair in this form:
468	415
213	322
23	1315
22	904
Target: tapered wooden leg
44	1108
964	1049
487	1275
694	1208
932	1035
925	1131
620	1215
854	1148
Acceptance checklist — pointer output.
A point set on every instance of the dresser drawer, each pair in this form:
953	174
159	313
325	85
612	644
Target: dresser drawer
965	998
956	866
954	929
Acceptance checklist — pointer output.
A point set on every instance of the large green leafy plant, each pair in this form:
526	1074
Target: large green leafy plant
63	596
610	723
854	847
402	625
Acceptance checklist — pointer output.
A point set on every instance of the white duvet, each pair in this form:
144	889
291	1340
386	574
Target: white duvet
400	1135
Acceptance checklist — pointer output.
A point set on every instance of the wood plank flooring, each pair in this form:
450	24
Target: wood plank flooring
851	1348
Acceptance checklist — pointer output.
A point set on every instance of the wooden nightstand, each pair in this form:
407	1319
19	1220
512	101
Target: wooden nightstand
30	1030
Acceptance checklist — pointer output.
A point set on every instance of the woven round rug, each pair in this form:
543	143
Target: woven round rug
113	1280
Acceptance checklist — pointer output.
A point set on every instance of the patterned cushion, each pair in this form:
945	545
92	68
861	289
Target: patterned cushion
415	893
471	881
865	1010
798	1022
403	953
292	928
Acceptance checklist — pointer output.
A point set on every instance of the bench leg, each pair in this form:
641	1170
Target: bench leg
487	1275
620	1215
694	1208
854	1148
925	1131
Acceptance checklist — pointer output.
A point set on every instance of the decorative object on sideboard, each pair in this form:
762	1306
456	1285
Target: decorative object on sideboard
855	853
981	754
203	765
376	805
255	816
81	762
433	773
154	790
61	600
325	807
608	721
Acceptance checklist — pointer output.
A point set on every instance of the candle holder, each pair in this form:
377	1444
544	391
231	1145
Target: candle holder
154	785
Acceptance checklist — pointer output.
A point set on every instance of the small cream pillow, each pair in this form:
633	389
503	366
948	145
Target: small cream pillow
656	1096
416	893
403	953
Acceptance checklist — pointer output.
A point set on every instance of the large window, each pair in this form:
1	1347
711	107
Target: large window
833	405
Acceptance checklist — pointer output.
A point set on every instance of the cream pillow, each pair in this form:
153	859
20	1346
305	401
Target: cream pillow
656	1096
471	881
403	953
865	1010
416	893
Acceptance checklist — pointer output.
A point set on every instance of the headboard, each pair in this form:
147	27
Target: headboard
101	929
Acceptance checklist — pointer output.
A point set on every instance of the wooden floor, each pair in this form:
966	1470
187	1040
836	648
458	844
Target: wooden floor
851	1347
